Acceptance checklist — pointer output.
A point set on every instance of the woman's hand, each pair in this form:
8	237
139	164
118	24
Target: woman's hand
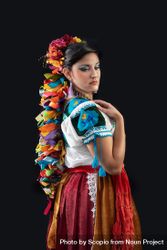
109	109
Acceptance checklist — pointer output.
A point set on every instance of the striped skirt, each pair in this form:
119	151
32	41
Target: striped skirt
92	212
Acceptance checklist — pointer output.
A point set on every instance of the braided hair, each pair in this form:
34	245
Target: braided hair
62	52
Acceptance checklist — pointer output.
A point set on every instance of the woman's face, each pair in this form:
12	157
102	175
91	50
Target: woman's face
85	73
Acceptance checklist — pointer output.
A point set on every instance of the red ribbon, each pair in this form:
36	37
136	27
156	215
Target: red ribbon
82	169
48	207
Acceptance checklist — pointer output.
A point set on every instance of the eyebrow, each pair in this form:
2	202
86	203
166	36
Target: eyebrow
85	64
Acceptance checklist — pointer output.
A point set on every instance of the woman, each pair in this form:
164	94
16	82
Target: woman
81	154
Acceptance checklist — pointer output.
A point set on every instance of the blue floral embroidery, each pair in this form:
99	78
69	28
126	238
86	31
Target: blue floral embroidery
74	103
87	119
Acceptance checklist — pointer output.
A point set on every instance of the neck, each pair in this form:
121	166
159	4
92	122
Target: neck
81	93
78	92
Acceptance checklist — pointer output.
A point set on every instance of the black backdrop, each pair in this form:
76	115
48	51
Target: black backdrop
132	38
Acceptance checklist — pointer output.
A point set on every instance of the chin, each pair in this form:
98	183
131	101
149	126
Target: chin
95	89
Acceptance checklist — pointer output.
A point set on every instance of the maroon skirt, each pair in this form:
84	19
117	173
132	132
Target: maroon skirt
77	209
88	208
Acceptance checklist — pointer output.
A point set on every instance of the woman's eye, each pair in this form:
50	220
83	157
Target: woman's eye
84	68
97	67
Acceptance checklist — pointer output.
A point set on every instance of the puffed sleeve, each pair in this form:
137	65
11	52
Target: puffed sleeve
85	123
89	121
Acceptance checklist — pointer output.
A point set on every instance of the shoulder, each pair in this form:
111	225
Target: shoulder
74	105
83	119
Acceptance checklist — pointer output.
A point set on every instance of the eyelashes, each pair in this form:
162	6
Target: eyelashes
86	68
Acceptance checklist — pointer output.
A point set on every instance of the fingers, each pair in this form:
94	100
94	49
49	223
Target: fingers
102	103
102	106
102	109
99	101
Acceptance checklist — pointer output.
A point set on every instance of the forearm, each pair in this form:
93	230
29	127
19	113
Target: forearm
119	141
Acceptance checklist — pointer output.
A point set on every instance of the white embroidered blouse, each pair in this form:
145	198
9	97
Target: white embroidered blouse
82	122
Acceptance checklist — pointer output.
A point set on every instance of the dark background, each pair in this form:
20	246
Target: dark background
132	38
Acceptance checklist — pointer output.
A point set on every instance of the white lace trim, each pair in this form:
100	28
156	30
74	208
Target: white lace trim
92	187
101	131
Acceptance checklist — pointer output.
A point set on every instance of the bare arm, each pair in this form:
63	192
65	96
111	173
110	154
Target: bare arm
111	150
119	138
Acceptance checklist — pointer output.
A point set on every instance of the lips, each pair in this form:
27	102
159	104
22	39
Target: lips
94	82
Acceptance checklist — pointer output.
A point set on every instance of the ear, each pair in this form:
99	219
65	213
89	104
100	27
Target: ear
67	73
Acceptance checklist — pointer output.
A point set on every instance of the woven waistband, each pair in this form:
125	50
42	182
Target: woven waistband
82	169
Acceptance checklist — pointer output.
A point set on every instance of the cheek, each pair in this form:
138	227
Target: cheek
77	74
81	75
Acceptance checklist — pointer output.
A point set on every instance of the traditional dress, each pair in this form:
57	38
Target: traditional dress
92	209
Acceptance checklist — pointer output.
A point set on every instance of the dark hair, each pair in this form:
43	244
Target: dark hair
75	51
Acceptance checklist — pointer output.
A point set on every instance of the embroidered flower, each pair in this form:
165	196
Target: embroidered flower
87	119
73	104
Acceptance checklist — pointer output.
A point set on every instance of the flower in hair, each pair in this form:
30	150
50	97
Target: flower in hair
55	56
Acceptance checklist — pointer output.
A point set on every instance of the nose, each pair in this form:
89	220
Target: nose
93	73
